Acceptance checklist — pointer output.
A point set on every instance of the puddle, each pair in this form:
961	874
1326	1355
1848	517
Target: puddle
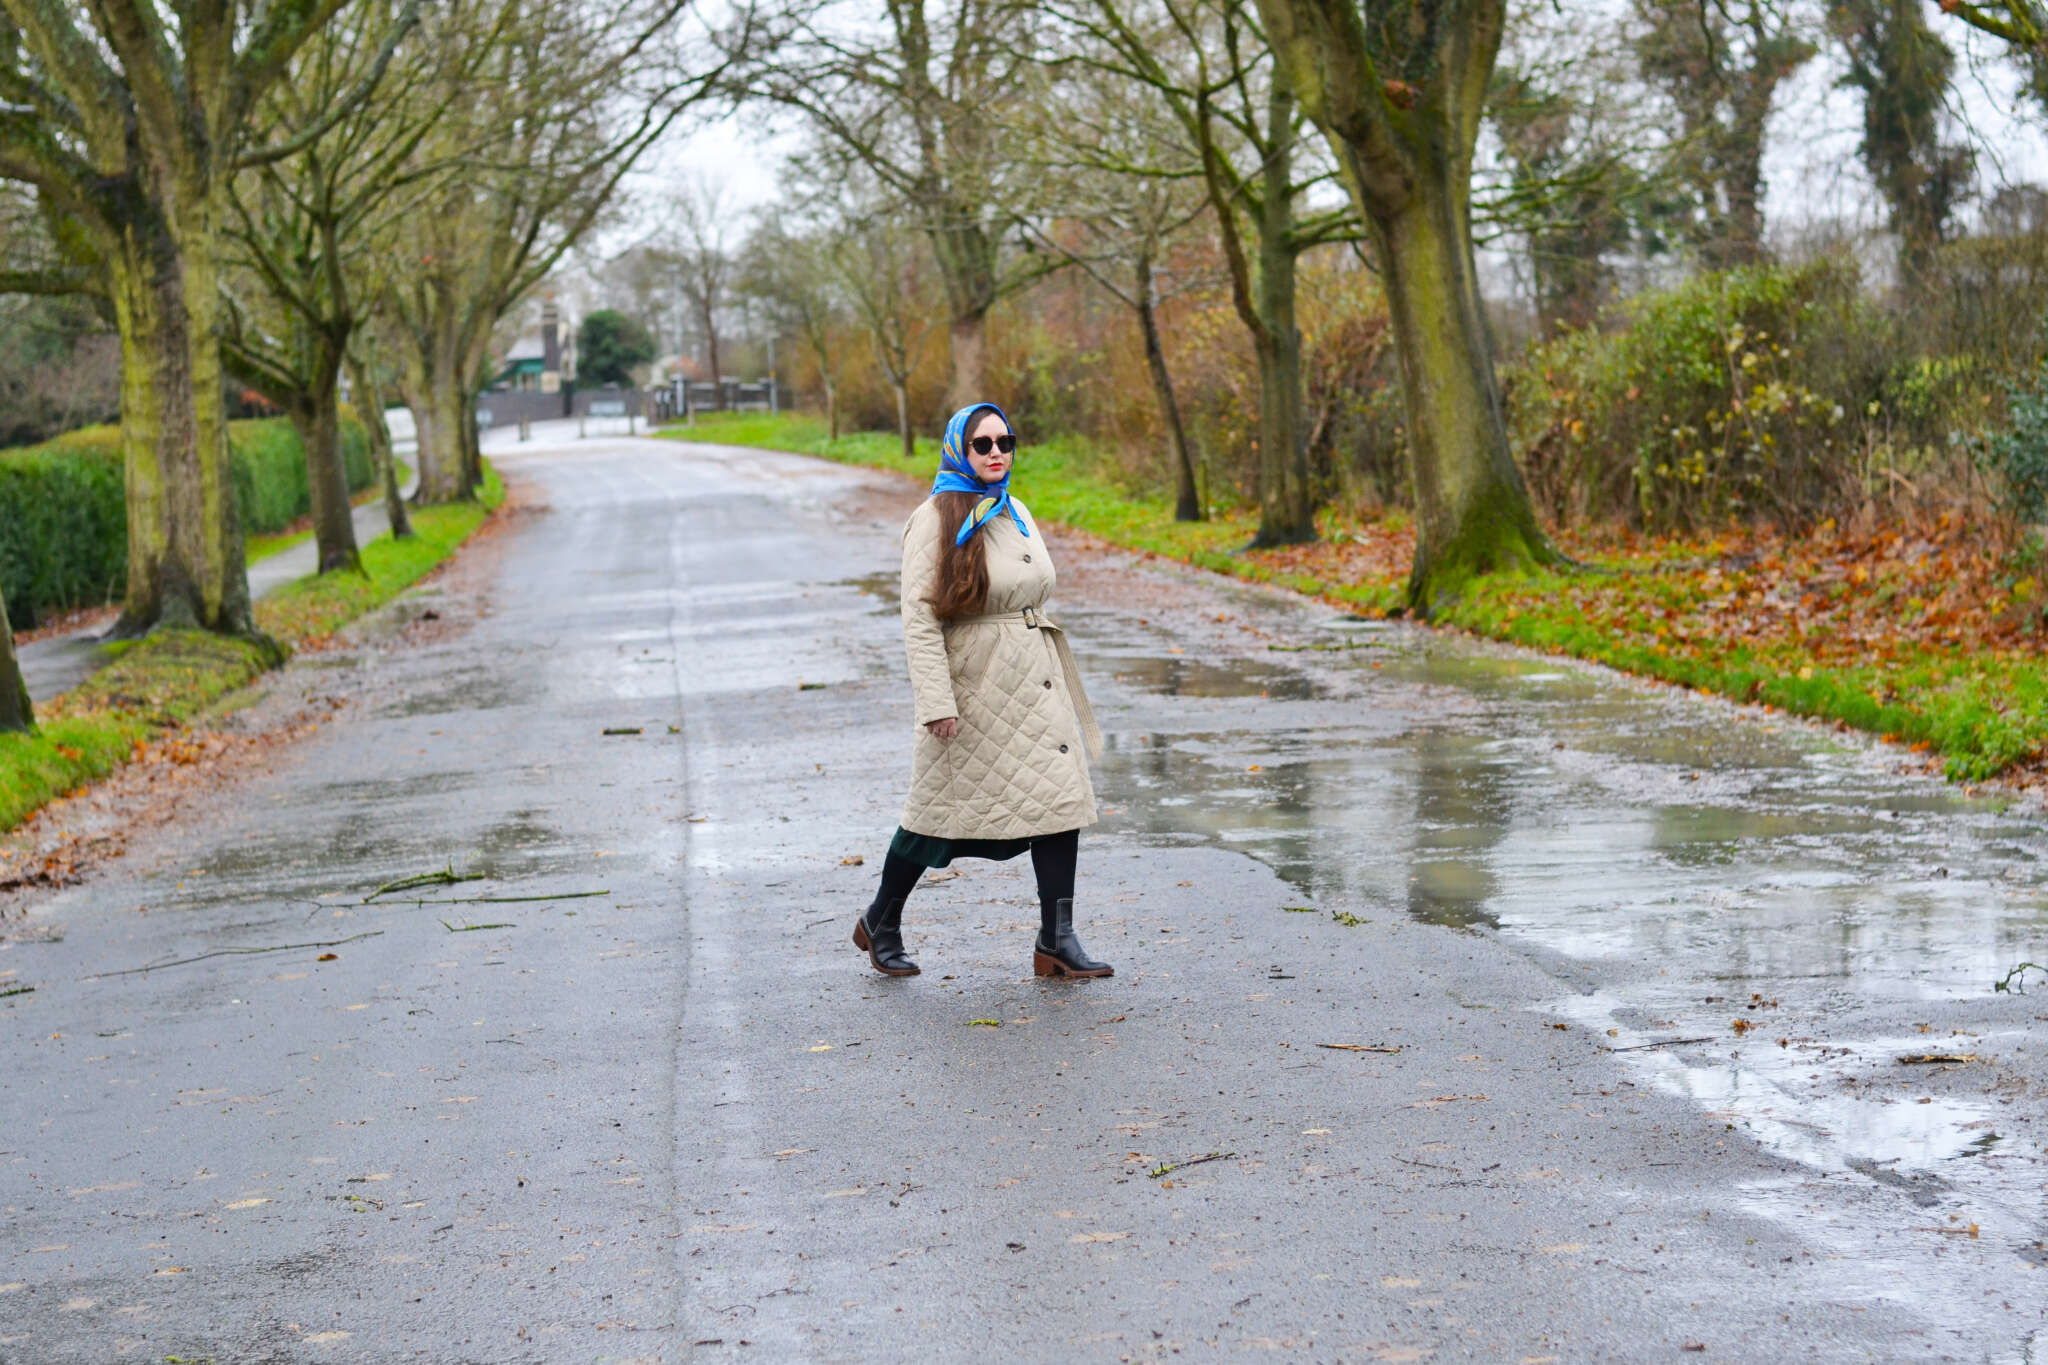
1687	857
1183	676
886	587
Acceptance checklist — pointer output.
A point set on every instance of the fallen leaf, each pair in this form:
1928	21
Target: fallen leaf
1098	1236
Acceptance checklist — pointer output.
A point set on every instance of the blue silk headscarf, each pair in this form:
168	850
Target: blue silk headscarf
956	475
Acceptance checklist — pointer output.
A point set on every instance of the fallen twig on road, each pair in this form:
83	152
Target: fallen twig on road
1168	1168
1929	1058
623	729
1359	1047
231	952
447	876
2005	983
472	928
16	990
1661	1042
1454	1170
509	900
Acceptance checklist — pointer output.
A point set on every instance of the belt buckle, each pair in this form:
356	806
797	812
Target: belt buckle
1030	619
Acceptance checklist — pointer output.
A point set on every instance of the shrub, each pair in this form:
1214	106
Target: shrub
1728	396
63	510
2015	457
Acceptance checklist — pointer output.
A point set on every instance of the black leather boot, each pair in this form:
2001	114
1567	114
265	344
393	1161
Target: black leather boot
1065	956
879	934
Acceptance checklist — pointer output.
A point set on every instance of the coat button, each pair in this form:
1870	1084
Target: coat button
1027	559
1063	748
1048	684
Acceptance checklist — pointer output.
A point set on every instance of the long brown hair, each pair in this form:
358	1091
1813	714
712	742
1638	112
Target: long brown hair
962	589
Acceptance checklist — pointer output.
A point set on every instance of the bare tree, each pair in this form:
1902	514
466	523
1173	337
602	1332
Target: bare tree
1131	185
1400	101
701	249
922	102
574	95
794	274
312	229
1209	63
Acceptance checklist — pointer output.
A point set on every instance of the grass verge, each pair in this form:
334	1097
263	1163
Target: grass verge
1924	635
172	676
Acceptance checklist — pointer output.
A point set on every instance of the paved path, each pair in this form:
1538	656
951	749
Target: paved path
62	662
683	1120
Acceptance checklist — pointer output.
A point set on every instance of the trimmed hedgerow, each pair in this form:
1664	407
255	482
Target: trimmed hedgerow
63	513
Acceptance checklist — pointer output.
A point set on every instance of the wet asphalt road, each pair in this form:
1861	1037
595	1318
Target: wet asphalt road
682	1119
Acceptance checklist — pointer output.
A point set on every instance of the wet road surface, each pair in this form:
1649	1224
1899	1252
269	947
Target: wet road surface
683	1119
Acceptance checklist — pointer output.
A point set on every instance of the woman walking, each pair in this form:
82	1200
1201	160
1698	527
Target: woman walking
1004	731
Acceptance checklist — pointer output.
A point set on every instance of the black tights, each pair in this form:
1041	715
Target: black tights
1053	858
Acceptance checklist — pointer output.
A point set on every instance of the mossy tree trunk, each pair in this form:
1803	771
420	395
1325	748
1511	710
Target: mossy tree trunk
1473	511
15	711
186	563
1401	107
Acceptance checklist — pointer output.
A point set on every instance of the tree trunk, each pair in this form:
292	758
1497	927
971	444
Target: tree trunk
433	370
186	564
1473	514
969	333
831	406
1286	508
1187	501
319	428
903	419
15	711
717	374
370	405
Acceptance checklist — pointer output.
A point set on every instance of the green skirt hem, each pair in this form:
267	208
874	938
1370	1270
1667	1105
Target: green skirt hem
928	850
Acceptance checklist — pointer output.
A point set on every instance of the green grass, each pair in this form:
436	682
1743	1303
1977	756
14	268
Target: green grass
1984	710
1059	480
314	608
169	678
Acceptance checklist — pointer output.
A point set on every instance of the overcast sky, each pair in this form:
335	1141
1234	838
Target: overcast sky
1812	169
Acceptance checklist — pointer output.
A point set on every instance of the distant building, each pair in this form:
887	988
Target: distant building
542	359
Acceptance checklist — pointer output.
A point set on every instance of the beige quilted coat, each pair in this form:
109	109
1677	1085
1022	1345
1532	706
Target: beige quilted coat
1018	767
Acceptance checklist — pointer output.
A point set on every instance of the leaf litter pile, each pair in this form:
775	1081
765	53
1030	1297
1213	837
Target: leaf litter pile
1931	633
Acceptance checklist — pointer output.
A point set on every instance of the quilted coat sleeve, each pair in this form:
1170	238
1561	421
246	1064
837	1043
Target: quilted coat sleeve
924	640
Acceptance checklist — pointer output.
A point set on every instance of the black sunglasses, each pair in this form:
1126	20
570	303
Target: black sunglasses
983	444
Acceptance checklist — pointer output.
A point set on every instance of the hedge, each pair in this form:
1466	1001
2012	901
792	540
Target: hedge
63	510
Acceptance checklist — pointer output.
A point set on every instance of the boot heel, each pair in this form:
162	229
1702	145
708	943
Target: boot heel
1045	964
860	936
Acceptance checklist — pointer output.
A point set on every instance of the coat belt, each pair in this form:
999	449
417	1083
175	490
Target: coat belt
1033	619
